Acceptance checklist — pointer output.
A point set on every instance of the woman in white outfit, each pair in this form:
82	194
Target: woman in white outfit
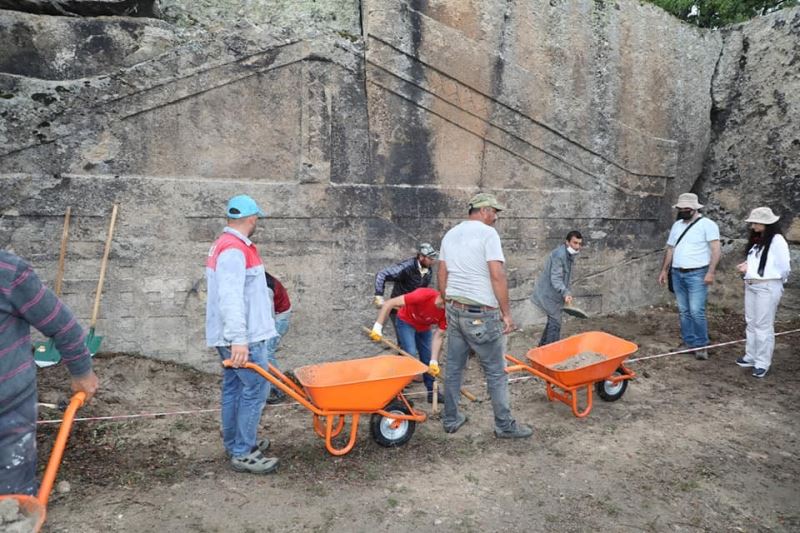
765	271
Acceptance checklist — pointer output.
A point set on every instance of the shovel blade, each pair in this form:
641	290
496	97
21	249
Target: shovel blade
46	354
93	342
574	311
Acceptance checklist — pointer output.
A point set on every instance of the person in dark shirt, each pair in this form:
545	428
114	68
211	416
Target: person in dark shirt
282	312
26	302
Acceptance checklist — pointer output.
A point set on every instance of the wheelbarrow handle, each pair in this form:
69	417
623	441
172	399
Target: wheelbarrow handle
57	453
464	392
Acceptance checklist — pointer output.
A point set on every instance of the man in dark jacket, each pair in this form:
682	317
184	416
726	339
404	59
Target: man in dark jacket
408	275
26	302
551	291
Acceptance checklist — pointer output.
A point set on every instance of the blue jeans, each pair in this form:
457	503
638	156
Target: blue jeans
482	331
244	393
417	343
18	448
691	293
281	326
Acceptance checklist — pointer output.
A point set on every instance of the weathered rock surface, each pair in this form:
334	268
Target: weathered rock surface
358	147
85	8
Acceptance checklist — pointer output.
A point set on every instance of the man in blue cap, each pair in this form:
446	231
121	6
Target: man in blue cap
239	324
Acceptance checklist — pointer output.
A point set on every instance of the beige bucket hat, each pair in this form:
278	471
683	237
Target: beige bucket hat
762	215
687	200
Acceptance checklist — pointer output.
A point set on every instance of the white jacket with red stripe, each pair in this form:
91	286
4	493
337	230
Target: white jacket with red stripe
239	306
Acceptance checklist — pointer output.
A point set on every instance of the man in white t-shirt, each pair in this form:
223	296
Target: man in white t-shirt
693	250
473	282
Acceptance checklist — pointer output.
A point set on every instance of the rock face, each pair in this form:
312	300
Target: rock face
85	8
362	130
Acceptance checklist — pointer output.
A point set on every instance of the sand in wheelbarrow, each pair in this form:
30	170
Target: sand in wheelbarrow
12	520
579	360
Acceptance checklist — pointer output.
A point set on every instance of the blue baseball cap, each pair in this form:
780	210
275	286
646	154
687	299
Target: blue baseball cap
243	206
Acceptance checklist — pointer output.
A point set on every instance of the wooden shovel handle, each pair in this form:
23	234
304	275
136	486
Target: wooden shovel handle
62	254
103	265
464	392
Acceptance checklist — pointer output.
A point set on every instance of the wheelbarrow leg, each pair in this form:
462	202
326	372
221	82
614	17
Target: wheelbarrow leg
319	429
585	412
350	443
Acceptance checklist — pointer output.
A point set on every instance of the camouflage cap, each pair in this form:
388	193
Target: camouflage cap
485	199
427	250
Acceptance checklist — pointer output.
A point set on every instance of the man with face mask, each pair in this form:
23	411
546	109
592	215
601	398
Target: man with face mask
551	291
693	251
240	324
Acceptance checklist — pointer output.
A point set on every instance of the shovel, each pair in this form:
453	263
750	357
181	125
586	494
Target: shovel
464	392
45	353
575	311
93	341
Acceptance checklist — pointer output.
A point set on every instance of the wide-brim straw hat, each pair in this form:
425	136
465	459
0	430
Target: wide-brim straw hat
687	200
762	215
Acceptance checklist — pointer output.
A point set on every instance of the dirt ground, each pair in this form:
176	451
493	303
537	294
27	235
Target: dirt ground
691	446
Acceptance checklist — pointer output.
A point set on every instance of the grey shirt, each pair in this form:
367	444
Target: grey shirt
553	284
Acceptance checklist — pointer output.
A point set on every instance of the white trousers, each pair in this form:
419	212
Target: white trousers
760	304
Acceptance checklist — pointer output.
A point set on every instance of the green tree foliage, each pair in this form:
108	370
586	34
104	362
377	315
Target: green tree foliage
715	13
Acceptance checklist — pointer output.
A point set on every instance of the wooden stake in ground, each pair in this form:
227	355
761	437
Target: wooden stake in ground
435	403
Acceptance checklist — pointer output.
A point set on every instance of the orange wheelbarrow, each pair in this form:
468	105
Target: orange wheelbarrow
334	391
34	508
609	376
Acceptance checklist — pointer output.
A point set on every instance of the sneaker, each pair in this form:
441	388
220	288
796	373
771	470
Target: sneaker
701	354
255	463
517	431
276	396
759	372
462	419
742	362
439	394
262	446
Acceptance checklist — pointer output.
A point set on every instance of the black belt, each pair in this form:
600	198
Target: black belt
473	308
689	269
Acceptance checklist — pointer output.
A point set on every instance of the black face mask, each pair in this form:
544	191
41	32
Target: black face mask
684	215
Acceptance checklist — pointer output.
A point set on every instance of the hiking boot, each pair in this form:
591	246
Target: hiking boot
701	354
517	431
742	362
438	394
759	372
255	463
460	421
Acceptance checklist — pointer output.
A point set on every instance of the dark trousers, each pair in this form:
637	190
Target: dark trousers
18	448
552	330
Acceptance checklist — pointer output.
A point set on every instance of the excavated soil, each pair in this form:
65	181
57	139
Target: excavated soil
691	446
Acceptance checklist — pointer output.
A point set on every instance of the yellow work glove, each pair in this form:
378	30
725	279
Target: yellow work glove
433	368
377	332
378	301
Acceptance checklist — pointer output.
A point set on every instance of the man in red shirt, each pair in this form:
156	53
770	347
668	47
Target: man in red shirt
419	310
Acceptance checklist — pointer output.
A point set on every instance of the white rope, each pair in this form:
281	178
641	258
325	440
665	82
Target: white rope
710	346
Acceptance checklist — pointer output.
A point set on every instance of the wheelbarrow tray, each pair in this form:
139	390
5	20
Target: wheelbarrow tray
358	385
614	349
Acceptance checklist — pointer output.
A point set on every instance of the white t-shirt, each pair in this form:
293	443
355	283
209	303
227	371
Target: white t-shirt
693	251
466	249
777	265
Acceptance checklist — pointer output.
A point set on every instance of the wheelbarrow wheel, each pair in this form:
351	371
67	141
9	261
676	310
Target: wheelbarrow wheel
610	391
382	428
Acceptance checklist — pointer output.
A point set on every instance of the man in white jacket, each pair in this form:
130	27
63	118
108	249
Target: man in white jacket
239	324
